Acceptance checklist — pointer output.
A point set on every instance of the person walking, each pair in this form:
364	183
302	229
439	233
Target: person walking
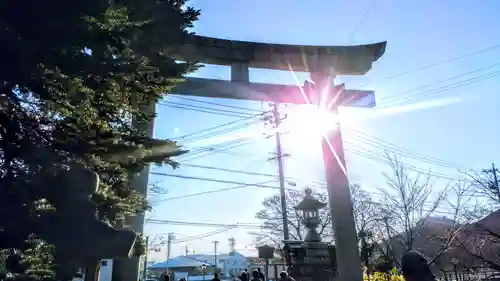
261	275
284	277
244	276
255	276
216	277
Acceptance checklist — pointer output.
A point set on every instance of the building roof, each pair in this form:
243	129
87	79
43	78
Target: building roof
195	260
180	261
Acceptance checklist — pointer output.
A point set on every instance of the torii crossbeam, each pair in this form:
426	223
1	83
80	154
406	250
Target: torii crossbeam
323	63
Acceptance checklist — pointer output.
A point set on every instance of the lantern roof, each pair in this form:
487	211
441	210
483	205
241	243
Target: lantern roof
310	202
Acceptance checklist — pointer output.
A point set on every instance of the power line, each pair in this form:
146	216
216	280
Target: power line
434	64
213	180
379	143
445	88
363	18
205	235
204	224
206	110
218	104
216	148
220	132
240	186
230	170
444	80
380	159
220	126
260	185
249	225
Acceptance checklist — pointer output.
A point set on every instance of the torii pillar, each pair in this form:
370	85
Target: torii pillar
317	60
339	193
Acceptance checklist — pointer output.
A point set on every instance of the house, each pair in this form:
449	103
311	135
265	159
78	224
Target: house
429	237
193	265
478	244
473	245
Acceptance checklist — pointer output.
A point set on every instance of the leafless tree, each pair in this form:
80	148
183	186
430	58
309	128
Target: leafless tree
479	244
415	214
272	222
365	209
365	212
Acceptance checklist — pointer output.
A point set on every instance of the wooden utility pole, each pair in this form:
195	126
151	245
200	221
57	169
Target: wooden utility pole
281	175
495	179
170	237
492	184
215	254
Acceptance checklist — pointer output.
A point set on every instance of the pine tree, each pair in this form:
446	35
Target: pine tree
75	74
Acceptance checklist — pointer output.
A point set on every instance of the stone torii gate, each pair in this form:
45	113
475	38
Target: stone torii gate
323	63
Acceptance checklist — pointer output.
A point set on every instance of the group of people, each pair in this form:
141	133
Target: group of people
257	275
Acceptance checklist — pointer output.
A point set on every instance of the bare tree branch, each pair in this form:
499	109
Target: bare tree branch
410	212
272	222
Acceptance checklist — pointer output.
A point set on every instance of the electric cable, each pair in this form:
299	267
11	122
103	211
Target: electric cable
249	225
208	151
380	159
213	180
240	186
202	111
261	184
219	132
203	224
205	235
230	170
442	81
203	108
445	88
363	18
379	143
217	104
219	126
434	64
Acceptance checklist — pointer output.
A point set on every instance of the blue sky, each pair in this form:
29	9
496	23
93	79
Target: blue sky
419	33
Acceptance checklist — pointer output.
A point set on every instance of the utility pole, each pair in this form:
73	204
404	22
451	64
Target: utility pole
186	250
215	254
170	237
279	152
493	185
279	155
145	262
495	179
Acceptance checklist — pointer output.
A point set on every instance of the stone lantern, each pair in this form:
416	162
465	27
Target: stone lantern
266	252
316	263
310	207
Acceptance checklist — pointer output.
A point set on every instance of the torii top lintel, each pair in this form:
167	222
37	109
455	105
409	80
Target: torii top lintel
344	60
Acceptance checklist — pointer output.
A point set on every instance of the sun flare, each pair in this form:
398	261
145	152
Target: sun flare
309	122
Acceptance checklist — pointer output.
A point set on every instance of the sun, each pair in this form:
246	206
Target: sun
308	122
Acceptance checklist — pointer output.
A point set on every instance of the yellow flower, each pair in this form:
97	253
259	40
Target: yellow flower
377	276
